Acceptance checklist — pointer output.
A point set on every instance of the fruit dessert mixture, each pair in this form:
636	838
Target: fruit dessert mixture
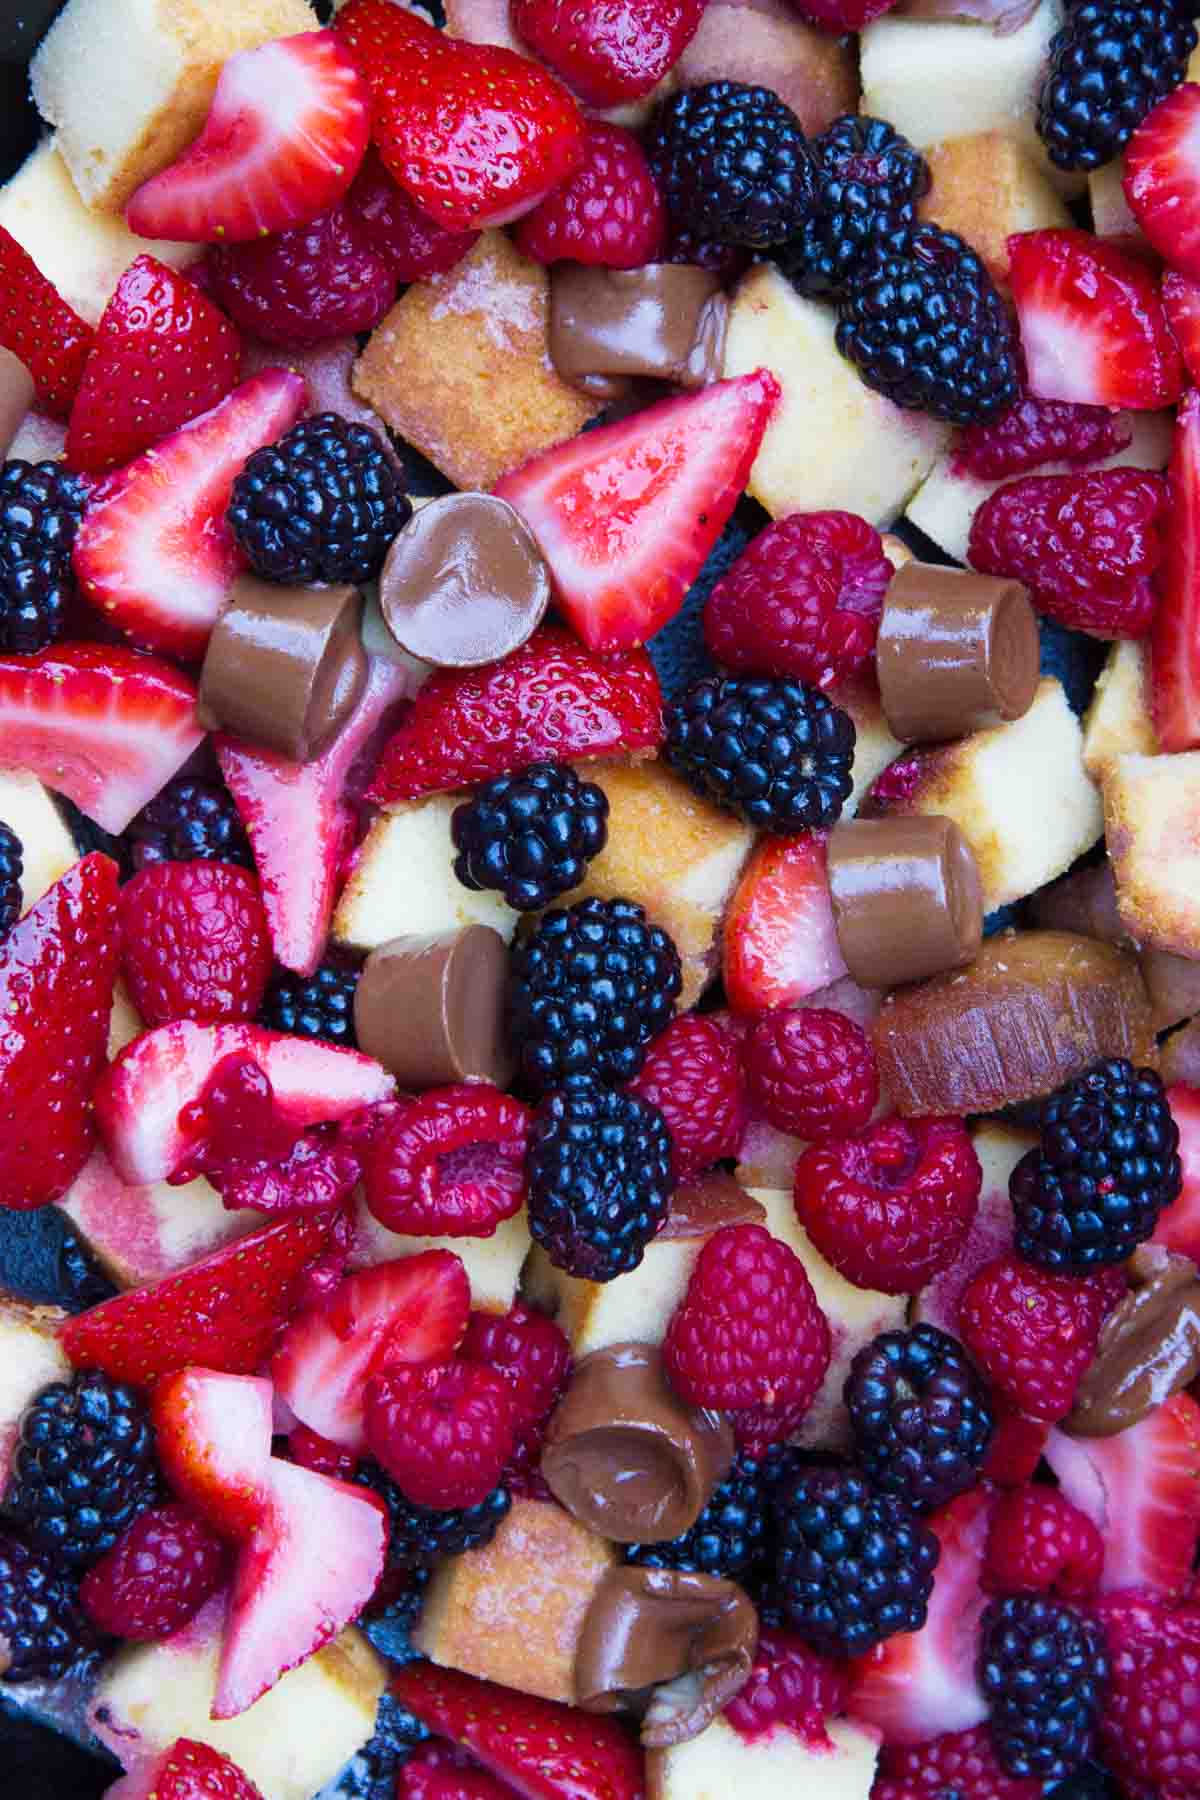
626	1194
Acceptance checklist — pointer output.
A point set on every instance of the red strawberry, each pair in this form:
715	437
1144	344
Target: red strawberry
613	50
626	515
213	1439
1175	640
413	246
189	1770
551	698
154	553
286	131
1181	302
1178	1227
57	968
37	325
1162	177
440	1772
1092	322
163	354
780	941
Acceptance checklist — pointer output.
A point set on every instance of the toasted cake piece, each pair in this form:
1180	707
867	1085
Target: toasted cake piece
128	82
985	187
1111	217
30	1359
832	442
874	745
721	1764
1151	812
1119	721
404	882
768	45
139	1234
461	368
493	1264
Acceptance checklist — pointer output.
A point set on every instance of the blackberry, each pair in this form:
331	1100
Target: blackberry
84	1467
588	988
730	1536
420	1535
12	867
923	324
1107	1165
852	1566
42	1629
1089	1782
190	821
869	180
599	1178
920	1414
777	753
1043	1668
391	1617
397	1734
530	836
1111	63
41	505
320	1005
733	164
322	504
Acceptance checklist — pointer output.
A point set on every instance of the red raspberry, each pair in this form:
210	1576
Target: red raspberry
692	1074
534	1357
962	1763
1150	1726
803	599
789	1685
1016	1448
1086	546
891	1207
1038	1543
194	942
254	1156
609	51
1032	1333
443	1431
156	1577
413	246
312	1451
812	1072
317	281
609	213
896	785
452	1164
1036	432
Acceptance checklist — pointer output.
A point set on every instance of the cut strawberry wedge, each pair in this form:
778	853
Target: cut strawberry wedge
286	131
1179	1225
213	1439
1162	177
37	325
780	941
1181	303
188	1770
1175	637
626	515
154	553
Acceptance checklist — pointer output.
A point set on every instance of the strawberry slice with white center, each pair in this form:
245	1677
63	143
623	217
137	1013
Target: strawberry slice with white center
286	131
1162	177
1179	1225
1181	303
626	515
1175	637
781	944
213	1440
154	553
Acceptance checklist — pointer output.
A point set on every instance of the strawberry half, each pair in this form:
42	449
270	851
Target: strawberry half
612	51
1178	1227
288	126
1181	303
37	325
154	553
1162	177
780	944
626	515
189	1770
1175	637
213	1440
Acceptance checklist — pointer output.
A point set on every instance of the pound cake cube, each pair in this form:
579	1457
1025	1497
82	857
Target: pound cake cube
128	83
1119	722
720	1763
404	885
986	187
874	745
493	1264
140	1234
48	849
31	1357
1152	820
1111	217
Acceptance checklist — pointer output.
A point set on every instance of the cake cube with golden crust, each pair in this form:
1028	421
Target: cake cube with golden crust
720	1764
986	187
1119	722
140	1234
767	44
1152	819
493	1264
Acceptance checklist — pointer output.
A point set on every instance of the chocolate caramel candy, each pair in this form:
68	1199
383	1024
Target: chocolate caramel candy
907	898
431	1009
608	326
16	397
957	652
626	1456
285	666
1149	1347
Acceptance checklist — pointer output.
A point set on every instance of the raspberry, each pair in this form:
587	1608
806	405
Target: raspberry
1036	432
317	281
1038	1543
413	246
609	213
1150	1726
803	599
811	1073
452	1164
891	1207
1086	546
534	1357
789	1685
194	942
691	1073
442	1431
312	1451
1016	1448
1032	1333
962	1764
156	1577
897	784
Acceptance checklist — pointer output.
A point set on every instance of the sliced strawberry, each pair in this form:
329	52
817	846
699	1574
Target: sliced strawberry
443	1772
1175	637
1179	1226
288	126
1162	177
1181	303
610	53
1092	322
154	553
37	325
780	941
189	1770
415	1310
213	1438
626	515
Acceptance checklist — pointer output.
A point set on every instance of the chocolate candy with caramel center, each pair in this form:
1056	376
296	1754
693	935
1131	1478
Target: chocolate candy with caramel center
431	1009
665	321
907	898
957	652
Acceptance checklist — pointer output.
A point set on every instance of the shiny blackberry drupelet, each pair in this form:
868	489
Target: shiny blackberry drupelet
869	180
421	1534
530	836
41	505
320	1005
777	753
733	164
730	1536
924	324
920	1414
852	1566
1107	1165
41	1625
588	988
84	1468
322	504
1110	65
1043	1669
397	1734
189	821
1089	1782
599	1178
12	867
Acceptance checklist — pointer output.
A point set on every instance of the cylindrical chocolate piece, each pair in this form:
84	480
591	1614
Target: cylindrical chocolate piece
285	666
16	397
431	1009
956	652
666	321
625	1455
907	898
1086	902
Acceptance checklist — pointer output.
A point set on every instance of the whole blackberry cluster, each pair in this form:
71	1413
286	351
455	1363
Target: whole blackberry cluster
869	180
421	1534
84	1467
320	1005
322	504
733	164
397	1734
588	988
1043	1669
730	1536
530	836
12	867
189	821
41	505
920	1414
1107	1165
599	1178
923	323
42	1628
777	753
1111	63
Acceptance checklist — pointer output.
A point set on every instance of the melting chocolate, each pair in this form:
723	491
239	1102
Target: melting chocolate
431	1009
609	326
16	397
957	652
907	898
701	1207
1149	1347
